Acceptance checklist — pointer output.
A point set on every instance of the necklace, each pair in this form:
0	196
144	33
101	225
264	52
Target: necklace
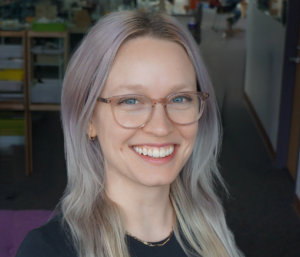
149	244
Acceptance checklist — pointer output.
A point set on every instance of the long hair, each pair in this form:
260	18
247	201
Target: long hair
95	223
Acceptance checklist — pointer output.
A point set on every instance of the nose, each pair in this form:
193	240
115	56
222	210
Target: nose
159	124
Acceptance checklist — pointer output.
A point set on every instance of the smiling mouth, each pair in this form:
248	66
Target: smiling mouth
155	152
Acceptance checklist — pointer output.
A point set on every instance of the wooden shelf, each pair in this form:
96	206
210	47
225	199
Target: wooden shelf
12	33
15	106
49	34
44	107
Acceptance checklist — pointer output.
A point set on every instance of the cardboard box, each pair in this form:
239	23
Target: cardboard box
47	11
275	8
82	19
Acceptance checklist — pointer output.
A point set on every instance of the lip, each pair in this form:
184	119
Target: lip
156	161
155	145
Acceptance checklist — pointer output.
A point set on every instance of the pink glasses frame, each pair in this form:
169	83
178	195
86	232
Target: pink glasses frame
112	100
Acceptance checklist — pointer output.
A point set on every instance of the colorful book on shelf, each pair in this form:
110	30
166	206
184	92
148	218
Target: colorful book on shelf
12	74
12	127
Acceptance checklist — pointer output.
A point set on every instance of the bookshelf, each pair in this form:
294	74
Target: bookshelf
35	98
21	104
44	94
18	105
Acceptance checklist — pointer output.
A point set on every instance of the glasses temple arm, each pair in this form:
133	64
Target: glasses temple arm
103	100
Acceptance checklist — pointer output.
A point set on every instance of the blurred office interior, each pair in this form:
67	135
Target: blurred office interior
255	69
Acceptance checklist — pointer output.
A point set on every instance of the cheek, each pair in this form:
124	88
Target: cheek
112	137
189	133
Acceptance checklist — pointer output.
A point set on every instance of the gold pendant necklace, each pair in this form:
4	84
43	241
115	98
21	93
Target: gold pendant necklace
149	244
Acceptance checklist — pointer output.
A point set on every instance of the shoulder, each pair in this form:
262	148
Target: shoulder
50	239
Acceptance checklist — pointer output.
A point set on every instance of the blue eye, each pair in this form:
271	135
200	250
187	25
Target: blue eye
130	101
178	99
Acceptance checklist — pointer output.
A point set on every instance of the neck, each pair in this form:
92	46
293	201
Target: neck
148	211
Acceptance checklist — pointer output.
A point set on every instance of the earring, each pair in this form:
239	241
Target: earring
91	138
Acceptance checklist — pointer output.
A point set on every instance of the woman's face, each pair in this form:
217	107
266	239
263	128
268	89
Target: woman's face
154	68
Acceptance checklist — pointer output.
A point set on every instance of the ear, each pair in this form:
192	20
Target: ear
91	129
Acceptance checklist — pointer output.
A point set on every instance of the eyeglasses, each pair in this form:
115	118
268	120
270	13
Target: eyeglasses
134	111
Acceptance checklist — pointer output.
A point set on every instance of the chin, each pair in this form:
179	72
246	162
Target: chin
156	180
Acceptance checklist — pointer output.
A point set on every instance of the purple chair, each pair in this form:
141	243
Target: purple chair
14	226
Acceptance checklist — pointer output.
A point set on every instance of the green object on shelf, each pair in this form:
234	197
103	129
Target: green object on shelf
12	127
47	27
11	74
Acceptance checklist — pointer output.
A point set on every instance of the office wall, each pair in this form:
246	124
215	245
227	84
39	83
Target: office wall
264	64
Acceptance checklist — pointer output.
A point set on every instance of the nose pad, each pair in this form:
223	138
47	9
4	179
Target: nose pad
164	109
161	100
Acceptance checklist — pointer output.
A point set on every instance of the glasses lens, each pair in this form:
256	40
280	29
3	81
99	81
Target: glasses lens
132	111
184	108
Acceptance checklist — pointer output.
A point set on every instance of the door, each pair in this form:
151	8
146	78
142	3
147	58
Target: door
294	140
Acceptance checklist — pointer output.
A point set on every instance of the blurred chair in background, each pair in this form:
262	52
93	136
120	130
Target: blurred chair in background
231	6
227	7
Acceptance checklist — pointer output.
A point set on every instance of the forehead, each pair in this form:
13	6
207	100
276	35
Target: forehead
150	65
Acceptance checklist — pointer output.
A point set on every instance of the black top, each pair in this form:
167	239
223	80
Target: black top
51	240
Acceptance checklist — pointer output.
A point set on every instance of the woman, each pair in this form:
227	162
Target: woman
142	135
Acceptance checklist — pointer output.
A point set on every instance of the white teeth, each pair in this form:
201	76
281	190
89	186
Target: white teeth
155	152
162	152
171	149
167	151
145	152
